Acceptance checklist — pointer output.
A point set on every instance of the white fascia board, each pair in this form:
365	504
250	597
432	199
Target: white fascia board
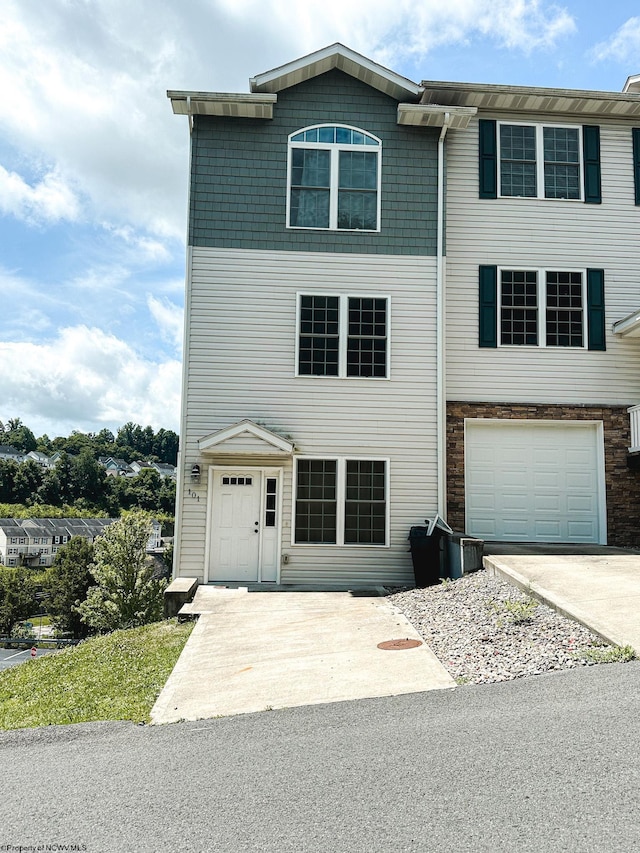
341	57
210	442
628	327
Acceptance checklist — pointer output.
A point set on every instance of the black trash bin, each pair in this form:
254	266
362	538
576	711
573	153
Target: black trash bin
428	545
426	554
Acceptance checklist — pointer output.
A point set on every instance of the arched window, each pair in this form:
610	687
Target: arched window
334	179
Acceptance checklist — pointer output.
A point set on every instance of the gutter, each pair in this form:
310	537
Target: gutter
441	400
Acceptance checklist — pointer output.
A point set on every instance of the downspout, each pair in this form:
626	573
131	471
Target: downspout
441	400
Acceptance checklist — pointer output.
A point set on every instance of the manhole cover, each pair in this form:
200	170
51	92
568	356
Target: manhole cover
396	645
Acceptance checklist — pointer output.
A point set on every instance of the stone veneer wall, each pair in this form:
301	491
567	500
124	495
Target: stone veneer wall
622	484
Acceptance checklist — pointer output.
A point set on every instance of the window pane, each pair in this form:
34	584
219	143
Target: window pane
310	207
367	337
318	347
358	210
326	134
561	162
358	170
316	518
518	307
365	505
565	315
517	160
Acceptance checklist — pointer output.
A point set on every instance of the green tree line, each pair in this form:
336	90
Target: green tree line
78	480
131	442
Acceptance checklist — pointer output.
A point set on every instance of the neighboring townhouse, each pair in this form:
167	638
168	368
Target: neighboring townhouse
543	290
36	541
329	403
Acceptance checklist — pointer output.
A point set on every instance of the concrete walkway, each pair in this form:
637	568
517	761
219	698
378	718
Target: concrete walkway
597	586
253	651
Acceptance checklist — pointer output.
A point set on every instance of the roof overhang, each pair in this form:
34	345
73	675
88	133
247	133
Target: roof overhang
628	327
344	59
222	104
246	438
435	115
527	99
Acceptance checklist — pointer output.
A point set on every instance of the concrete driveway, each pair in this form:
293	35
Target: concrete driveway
254	651
598	586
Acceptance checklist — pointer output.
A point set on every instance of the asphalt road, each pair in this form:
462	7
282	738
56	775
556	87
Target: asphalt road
545	764
12	657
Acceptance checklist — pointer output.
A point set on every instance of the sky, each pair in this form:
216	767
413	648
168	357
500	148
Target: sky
93	163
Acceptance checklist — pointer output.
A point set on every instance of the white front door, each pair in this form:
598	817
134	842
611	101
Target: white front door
244	525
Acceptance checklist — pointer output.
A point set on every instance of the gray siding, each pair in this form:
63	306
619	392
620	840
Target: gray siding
542	233
239	174
240	350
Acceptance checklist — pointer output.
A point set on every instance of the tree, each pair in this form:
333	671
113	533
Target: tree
17	597
14	432
67	583
126	594
28	479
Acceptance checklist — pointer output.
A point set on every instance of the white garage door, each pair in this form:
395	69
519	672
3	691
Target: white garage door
534	481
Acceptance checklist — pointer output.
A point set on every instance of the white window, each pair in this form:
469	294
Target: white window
341	502
334	179
542	308
540	161
343	336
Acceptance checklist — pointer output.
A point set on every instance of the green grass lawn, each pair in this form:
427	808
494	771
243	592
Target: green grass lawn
117	676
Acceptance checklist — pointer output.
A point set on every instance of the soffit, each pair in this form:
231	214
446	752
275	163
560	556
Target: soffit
527	99
222	104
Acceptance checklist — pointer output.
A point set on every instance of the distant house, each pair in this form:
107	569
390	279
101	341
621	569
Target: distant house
165	470
40	459
36	541
117	467
7	451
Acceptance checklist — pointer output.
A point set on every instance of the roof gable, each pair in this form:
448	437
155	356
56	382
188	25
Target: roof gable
344	59
245	437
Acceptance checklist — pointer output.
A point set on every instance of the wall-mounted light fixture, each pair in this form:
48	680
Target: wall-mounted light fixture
195	473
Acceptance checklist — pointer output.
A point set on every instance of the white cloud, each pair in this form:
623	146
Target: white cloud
86	379
49	200
622	46
89	80
169	318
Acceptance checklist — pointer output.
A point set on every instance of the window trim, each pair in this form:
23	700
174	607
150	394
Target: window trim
541	290
334	148
540	162
341	496
343	335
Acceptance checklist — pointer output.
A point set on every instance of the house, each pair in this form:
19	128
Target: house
165	469
11	454
116	467
348	373
35	541
40	459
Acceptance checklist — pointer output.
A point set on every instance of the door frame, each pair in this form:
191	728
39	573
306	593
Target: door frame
265	471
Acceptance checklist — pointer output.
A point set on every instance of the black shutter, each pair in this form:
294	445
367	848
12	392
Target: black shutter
488	159
635	135
595	310
591	156
488	301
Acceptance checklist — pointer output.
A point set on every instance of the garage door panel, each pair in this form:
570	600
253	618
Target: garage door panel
543	482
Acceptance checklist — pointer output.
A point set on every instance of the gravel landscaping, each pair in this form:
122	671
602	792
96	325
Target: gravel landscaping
483	630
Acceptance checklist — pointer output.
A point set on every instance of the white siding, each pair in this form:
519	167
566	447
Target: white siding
240	350
542	233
